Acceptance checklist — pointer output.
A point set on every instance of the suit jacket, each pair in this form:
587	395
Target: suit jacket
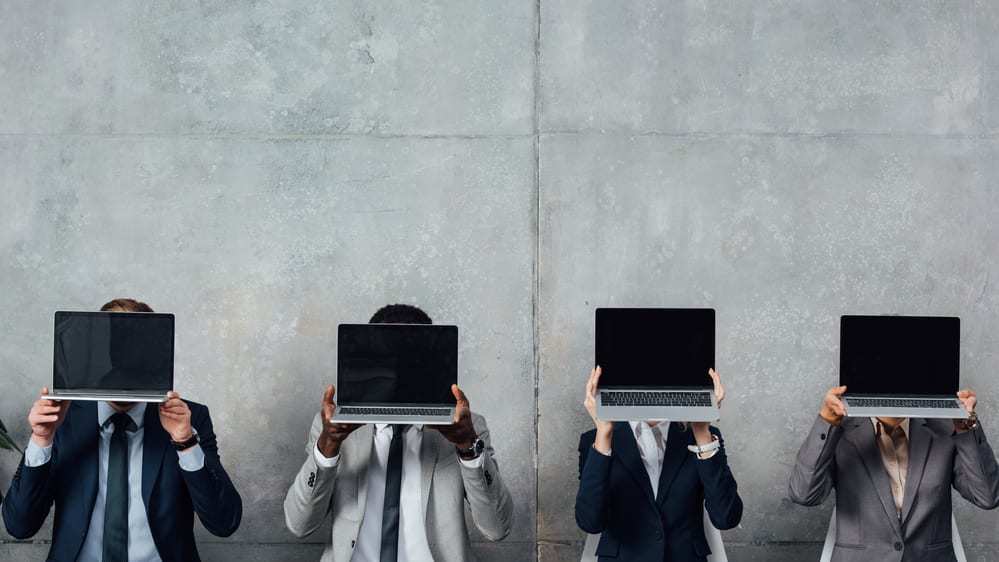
172	496
615	498
447	486
868	527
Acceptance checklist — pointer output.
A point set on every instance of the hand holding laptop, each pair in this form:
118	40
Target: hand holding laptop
461	432
602	441
45	418
175	417
333	432
702	432
969	401
833	410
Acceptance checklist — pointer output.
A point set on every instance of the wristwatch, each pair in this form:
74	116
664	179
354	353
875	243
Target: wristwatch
185	445
472	452
970	423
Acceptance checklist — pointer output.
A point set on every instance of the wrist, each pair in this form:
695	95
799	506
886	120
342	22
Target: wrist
43	442
702	435
182	436
328	447
830	418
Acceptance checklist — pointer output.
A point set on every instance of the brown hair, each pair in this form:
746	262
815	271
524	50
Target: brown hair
126	305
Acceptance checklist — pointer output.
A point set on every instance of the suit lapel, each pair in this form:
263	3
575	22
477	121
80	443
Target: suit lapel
626	450
920	441
364	449
154	446
861	435
86	441
428	462
675	456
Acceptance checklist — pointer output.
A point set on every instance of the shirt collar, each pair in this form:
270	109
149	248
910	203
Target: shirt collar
380	427
638	427
904	425
105	411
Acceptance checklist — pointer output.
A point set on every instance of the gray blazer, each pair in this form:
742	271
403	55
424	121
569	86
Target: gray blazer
846	457
447	486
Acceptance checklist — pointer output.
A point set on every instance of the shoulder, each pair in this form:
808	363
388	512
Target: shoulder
198	411
939	428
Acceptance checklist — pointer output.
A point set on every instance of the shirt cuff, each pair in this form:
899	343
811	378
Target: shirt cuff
474	463
322	461
191	459
35	456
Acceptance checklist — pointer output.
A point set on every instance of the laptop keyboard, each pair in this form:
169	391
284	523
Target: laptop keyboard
354	411
900	403
656	398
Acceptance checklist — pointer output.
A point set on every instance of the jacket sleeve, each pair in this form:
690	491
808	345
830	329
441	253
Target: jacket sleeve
488	499
976	474
721	494
29	498
310	496
814	472
215	499
594	484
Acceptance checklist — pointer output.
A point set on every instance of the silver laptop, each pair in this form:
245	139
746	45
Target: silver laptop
113	356
655	363
901	366
396	373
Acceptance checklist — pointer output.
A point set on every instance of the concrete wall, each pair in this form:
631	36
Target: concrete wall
266	170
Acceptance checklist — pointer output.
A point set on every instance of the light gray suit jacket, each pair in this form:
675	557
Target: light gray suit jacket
446	487
847	458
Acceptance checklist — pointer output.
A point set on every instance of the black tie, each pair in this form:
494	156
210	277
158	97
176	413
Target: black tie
116	500
393	487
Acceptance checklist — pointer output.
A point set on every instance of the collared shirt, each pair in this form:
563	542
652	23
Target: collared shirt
894	447
141	547
652	447
413	544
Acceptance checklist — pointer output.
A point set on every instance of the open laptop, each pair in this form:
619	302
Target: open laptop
901	366
655	363
113	356
396	373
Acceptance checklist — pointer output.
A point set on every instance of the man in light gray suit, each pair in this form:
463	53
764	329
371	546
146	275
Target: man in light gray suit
893	478
398	493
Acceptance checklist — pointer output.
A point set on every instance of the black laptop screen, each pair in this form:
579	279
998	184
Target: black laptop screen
396	364
655	347
901	355
131	351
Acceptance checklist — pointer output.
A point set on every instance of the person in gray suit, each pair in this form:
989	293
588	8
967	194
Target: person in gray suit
892	478
397	493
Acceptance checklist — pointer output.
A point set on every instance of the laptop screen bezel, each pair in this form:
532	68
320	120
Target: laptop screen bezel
92	390
848	318
663	387
339	364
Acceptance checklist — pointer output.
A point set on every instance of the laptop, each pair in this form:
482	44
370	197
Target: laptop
113	356
901	366
396	373
655	363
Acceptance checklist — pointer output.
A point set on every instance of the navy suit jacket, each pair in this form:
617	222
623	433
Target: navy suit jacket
615	498
172	496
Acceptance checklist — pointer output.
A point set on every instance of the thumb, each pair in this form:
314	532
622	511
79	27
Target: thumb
458	394
45	391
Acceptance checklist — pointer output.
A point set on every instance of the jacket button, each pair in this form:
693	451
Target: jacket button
822	436
898	546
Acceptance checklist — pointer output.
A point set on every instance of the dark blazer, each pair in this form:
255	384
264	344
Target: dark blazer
615	498
846	457
172	496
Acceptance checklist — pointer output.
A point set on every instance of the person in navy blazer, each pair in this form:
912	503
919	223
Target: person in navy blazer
180	475
617	464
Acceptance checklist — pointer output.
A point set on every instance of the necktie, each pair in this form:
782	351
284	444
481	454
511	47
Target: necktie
393	488
116	500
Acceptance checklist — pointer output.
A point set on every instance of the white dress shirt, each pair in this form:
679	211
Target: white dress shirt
413	545
141	547
652	446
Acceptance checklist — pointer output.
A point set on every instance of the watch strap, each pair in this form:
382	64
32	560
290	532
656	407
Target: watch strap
184	445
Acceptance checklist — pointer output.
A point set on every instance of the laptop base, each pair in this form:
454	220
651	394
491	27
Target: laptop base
650	412
956	412
103	397
393	418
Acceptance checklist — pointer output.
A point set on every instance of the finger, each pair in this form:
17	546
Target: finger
173	416
459	395
43	418
48	409
45	391
838	391
328	395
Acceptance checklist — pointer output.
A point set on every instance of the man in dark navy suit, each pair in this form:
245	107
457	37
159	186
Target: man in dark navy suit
645	485
126	478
